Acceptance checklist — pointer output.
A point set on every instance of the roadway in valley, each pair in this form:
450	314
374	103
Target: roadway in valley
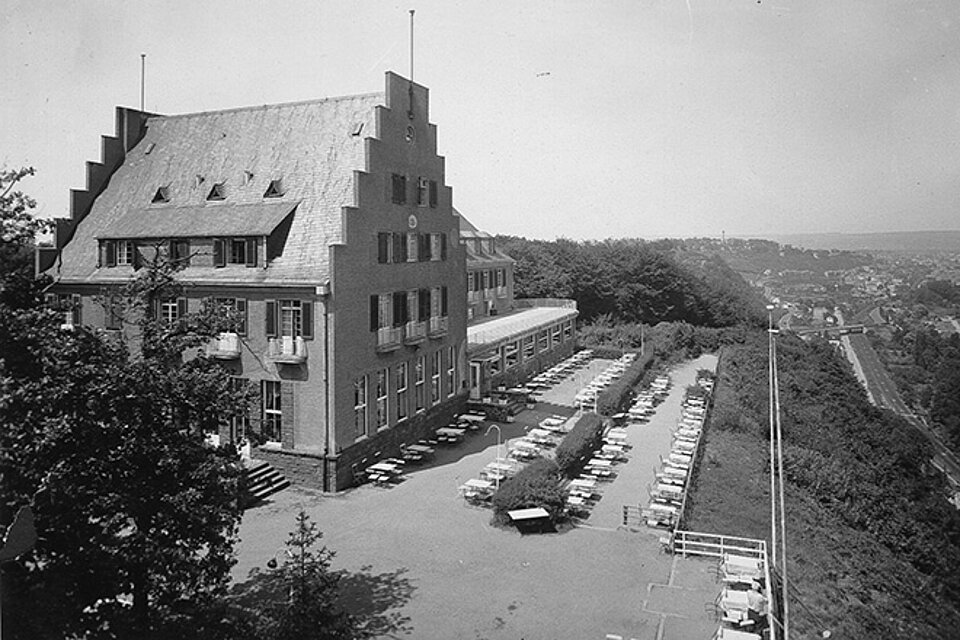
883	392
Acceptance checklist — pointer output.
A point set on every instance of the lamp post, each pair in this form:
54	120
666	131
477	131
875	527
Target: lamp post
497	427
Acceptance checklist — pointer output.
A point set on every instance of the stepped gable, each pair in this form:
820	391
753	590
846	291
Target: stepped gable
313	148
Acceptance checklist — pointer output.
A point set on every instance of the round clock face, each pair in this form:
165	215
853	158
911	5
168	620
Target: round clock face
412	221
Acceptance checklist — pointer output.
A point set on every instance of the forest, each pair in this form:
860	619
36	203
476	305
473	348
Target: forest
631	281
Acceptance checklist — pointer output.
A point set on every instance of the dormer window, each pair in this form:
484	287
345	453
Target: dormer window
217	192
274	190
162	195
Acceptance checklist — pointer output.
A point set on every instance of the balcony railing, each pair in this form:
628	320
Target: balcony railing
225	347
415	332
438	326
389	338
287	350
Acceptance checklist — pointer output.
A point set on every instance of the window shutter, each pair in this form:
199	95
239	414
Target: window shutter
443	246
399	189
423	248
252	252
75	311
374	312
136	255
433	193
306	310
271	319
181	307
443	301
219	259
399	247
242	312
424	302
399	308
383	250
110	249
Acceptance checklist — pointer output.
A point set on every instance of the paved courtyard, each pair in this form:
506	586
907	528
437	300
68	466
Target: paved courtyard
425	565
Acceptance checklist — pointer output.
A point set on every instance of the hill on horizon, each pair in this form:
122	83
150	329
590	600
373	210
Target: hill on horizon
902	241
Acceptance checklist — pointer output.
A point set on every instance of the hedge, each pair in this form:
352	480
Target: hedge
536	485
579	444
613	399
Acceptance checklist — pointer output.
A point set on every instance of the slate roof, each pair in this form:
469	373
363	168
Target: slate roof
258	219
468	234
312	147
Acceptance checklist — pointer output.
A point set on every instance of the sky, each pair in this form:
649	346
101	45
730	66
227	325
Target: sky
585	120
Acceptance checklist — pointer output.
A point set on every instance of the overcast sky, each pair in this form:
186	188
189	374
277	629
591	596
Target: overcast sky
642	118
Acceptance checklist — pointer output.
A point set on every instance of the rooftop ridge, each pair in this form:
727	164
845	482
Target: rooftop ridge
294	103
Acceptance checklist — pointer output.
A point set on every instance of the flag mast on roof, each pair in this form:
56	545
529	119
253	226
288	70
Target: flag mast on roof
410	90
143	64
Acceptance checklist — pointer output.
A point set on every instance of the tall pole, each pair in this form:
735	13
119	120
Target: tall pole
497	427
783	523
411	44
773	470
143	69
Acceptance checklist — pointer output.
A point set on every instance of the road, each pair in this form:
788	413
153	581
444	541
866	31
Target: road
883	392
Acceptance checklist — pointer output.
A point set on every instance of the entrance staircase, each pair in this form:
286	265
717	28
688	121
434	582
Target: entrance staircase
262	481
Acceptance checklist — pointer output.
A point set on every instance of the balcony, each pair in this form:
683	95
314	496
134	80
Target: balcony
225	347
389	338
438	326
287	350
415	332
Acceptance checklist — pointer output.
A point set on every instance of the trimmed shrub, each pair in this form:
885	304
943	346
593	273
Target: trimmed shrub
579	444
613	399
536	485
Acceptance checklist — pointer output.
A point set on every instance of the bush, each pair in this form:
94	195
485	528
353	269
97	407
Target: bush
577	446
612	399
536	485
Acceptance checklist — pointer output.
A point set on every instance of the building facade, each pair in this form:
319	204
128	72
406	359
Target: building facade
328	227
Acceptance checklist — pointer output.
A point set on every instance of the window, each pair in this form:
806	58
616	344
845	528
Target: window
292	318
543	341
67	304
413	239
217	192
271	424
162	195
568	330
435	377
418	380
496	362
238	252
451	370
240	421
385	248
422	191
401	377
360	406
382	391
179	252
486	279
126	253
528	347
471	281
236	310
557	335
399	189
501	278
511	354
172	309
235	251
274	189
424	248
435	299
436	252
112	313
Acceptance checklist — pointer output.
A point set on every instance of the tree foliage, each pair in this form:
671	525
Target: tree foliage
105	438
536	485
631	281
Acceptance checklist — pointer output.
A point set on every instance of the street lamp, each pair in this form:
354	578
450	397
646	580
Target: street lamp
272	562
497	427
